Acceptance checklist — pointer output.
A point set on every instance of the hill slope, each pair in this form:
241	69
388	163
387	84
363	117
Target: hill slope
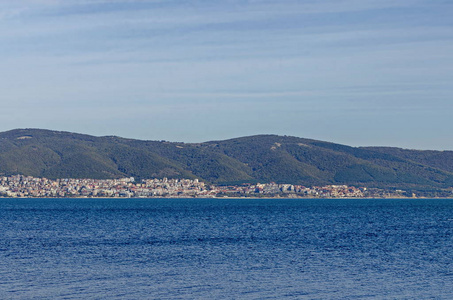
262	158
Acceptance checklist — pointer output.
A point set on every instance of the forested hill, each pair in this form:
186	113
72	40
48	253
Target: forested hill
262	158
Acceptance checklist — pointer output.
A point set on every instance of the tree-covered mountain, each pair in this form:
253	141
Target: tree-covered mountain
261	158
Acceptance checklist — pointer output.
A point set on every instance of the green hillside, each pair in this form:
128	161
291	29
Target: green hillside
262	158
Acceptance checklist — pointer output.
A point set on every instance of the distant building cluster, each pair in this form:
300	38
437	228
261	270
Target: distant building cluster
27	186
289	190
20	186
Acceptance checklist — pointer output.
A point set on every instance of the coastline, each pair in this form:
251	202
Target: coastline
237	198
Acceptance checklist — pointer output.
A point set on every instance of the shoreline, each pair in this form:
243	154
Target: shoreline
237	198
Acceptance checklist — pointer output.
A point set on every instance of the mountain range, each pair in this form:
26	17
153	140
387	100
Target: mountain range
260	158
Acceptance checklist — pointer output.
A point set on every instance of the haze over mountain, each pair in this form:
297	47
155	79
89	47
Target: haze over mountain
260	158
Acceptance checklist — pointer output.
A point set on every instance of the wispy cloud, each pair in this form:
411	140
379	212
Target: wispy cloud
285	57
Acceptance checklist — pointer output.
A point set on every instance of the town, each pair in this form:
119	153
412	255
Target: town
19	186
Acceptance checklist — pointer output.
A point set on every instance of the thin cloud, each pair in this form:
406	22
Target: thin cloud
277	57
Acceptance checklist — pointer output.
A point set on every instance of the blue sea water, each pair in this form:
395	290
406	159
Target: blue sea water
226	249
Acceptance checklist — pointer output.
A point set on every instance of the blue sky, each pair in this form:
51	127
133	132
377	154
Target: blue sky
356	72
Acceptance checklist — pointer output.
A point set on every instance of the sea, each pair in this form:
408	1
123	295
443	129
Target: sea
226	249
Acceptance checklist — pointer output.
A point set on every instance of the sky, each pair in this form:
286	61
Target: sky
355	72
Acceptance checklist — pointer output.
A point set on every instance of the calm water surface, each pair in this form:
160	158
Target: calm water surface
226	249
